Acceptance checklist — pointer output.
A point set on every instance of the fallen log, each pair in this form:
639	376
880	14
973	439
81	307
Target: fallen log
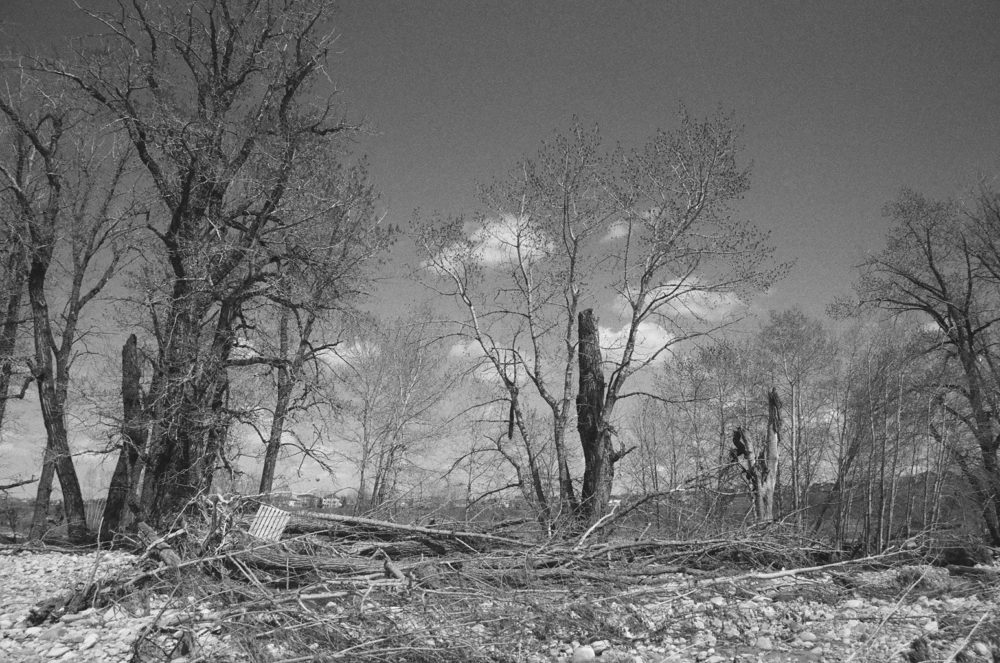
158	547
314	521
295	563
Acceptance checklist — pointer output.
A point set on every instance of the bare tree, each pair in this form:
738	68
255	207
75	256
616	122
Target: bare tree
396	382
940	263
646	233
798	350
63	184
220	101
761	467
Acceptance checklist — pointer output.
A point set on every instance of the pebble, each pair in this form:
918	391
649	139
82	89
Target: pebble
89	636
583	653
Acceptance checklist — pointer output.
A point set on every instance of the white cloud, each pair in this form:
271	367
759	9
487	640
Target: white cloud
620	227
649	338
496	241
345	355
485	371
617	230
501	239
710	306
686	301
465	350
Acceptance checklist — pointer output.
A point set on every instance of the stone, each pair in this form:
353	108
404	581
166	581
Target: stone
89	640
763	642
807	636
583	653
854	604
54	633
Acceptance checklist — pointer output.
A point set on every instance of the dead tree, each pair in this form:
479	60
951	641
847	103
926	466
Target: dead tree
133	434
599	455
760	471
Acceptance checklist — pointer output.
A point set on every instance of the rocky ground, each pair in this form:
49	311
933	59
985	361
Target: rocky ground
103	635
910	613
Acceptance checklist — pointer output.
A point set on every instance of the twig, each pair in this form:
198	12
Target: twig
438	533
784	573
965	641
597	525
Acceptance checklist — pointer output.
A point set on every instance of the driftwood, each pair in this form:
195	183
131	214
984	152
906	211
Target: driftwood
314	521
296	564
158	547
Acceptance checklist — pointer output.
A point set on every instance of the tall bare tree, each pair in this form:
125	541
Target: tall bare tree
223	104
395	380
798	351
64	185
940	263
647	234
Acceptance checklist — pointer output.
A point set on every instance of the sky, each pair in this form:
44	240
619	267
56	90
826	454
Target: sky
843	103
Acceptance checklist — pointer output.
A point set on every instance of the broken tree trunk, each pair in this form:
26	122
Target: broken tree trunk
760	470
133	439
769	456
595	435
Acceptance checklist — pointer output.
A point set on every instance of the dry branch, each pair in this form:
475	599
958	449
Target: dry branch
317	522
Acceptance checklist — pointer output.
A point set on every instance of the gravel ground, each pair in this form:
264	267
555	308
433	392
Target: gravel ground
816	619
105	635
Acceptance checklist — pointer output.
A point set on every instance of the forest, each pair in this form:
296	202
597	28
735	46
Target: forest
193	273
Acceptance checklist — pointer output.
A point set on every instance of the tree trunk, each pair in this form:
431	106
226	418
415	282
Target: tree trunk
51	399
189	422
769	456
133	440
14	282
43	494
595	435
283	397
277	430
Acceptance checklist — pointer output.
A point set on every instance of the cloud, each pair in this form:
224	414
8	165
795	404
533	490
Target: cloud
618	230
494	242
484	371
686	301
465	350
649	338
708	306
348	355
501	239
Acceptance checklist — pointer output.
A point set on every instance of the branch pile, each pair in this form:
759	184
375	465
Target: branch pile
371	590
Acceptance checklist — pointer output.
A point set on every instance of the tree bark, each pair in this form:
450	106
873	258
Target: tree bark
283	397
14	282
133	440
43	494
595	435
761	470
769	455
52	399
